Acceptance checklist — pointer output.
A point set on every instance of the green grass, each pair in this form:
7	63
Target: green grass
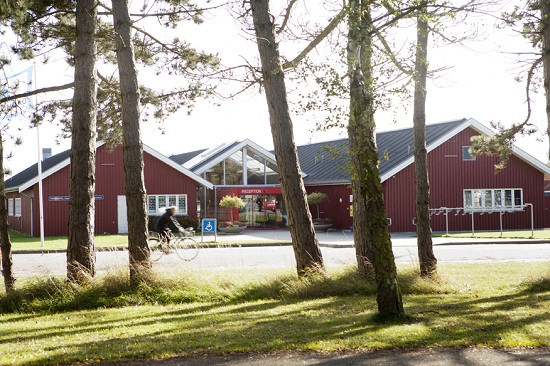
514	234
25	243
221	312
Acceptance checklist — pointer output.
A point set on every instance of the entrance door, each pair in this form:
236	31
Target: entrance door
122	215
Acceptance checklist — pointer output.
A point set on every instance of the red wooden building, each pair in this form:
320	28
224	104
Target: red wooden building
466	194
166	182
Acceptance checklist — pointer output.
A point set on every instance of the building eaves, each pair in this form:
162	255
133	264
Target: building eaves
29	177
31	173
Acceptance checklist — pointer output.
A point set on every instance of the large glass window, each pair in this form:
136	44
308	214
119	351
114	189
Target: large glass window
493	199
230	171
157	203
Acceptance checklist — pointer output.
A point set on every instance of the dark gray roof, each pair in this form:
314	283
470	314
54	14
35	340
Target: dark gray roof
207	161
32	171
185	157
326	162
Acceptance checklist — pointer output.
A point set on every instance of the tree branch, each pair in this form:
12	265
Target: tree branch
37	91
287	16
329	28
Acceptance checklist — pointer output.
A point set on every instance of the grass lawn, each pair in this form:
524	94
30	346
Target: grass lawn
515	234
219	312
24	243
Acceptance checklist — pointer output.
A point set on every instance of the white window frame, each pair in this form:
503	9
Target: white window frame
18	208
157	203
11	206
493	199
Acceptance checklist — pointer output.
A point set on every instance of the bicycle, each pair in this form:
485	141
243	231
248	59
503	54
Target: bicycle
185	247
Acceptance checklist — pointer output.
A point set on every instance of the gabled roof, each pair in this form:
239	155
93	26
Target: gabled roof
29	177
19	182
202	160
185	157
325	162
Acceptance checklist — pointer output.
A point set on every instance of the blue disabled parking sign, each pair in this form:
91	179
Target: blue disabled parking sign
208	227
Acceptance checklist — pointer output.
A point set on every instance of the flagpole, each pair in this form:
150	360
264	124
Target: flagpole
40	198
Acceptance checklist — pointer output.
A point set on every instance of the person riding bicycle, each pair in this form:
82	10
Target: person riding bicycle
166	223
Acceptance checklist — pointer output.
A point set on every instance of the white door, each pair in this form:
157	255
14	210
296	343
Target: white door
122	217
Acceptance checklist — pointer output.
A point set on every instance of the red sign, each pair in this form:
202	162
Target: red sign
252	190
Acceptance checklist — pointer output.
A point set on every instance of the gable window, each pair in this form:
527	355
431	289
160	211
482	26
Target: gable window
157	203
493	199
466	156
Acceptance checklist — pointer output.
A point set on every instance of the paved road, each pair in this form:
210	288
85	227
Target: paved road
337	250
422	357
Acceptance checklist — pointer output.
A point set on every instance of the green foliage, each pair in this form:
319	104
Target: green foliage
501	143
315	198
231	202
44	26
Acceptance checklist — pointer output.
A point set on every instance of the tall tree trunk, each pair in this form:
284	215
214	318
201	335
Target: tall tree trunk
363	249
545	33
80	249
365	169
428	262
138	250
5	243
306	247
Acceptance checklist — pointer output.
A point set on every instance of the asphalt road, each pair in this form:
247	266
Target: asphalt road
283	256
399	357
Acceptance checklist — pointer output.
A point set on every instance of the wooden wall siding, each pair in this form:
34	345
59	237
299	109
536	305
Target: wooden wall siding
449	175
338	211
23	222
56	213
162	179
159	179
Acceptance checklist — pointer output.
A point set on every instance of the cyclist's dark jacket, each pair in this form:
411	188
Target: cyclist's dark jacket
167	221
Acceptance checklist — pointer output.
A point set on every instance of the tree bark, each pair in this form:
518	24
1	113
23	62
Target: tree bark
80	249
363	249
306	247
365	167
136	196
5	241
545	34
428	262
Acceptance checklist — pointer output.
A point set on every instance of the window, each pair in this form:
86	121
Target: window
466	154
493	199
10	207
18	207
157	203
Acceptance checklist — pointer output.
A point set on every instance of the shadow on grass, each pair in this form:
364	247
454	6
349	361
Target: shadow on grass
328	324
296	318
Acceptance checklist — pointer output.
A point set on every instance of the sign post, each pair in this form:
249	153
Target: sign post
209	226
